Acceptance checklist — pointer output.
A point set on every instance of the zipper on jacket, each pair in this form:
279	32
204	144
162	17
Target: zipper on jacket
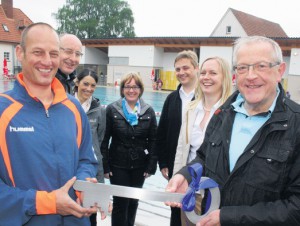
47	113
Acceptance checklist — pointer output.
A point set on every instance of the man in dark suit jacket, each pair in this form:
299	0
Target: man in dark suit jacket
186	70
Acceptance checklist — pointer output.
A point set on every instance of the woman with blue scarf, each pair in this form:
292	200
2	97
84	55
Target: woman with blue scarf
128	145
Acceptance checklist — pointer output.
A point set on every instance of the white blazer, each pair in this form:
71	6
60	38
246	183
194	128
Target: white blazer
186	132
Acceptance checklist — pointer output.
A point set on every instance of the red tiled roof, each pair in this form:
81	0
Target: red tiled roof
14	33
257	26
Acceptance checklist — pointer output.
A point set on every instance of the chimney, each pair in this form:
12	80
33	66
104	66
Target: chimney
7	5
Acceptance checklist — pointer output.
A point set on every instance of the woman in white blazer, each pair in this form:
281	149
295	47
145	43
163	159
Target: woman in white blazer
213	88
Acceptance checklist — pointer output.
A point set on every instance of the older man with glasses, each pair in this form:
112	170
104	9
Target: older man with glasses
70	54
252	144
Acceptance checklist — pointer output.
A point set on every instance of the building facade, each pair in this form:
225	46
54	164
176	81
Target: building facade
153	57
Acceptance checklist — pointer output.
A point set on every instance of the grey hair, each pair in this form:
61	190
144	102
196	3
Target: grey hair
277	53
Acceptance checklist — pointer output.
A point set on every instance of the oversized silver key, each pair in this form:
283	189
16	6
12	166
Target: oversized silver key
101	193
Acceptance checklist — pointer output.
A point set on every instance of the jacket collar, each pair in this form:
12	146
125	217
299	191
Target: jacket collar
118	106
95	103
56	87
64	77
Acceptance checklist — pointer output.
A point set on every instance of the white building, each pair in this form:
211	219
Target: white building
157	54
113	57
12	23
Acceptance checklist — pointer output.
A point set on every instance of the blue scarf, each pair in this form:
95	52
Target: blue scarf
131	117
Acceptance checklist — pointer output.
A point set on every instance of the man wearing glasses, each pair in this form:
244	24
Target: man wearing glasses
252	144
70	54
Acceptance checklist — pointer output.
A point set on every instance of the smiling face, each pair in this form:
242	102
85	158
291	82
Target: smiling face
131	92
86	88
69	60
257	87
211	79
39	57
186	72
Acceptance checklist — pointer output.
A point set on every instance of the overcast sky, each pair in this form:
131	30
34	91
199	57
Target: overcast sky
182	18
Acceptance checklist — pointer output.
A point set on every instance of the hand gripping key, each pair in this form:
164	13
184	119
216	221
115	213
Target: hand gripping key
100	193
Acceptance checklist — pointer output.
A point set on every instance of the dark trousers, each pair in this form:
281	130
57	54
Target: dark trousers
124	209
175	216
93	219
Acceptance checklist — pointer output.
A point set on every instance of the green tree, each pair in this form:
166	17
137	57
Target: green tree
96	19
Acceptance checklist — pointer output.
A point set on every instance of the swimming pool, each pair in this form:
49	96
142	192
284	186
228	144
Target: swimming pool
5	85
107	95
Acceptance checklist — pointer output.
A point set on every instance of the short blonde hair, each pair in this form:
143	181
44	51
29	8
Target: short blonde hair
188	54
127	78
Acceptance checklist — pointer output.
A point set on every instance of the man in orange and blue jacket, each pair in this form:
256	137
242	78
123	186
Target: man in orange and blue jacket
45	141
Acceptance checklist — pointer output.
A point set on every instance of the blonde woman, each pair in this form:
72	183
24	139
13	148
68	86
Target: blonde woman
213	88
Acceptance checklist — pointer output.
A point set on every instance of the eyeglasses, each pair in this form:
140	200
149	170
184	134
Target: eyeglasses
134	88
260	67
70	52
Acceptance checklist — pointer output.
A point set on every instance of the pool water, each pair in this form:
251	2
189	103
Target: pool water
5	85
107	95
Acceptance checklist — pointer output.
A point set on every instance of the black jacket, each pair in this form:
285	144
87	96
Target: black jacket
264	186
168	131
66	81
131	146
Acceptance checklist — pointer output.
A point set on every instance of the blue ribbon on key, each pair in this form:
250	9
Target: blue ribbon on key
189	200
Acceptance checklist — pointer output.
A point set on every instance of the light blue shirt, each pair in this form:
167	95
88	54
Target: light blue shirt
245	127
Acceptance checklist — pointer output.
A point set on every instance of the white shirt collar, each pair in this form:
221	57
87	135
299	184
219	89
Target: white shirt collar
187	95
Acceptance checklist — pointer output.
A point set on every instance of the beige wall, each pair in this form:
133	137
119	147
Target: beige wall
115	73
294	87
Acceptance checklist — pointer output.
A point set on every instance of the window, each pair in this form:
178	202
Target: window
6	56
5	28
228	30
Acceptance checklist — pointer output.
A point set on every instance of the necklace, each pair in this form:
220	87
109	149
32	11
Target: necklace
205	109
